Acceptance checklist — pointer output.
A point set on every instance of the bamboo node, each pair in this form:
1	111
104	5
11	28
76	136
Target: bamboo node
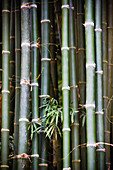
80	13
66	129
34	45
72	7
76	86
34	84
78	161
66	88
98	29
110	27
75	124
17	10
16	124
65	6
45	59
72	47
35	120
23	120
64	48
5	11
11	62
99	72
67	168
0	43
44	95
91	144
1	69
25	5
5	91
81	82
17	49
33	5
17	87
23	81
6	52
90	65
4	130
90	105
102	149
4	166
25	43
45	20
106	131
99	112
88	24
11	37
43	164
23	155
81	49
11	112
35	156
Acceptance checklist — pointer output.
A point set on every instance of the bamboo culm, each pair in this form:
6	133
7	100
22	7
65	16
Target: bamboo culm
5	83
34	81
65	84
90	86
25	72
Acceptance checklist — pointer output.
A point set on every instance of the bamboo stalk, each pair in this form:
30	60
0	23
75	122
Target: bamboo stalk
90	86
110	62
73	90
17	77
81	82
65	84
12	67
99	83
34	75
25	71
45	65
5	83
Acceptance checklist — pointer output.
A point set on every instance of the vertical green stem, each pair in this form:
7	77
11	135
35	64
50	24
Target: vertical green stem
25	71
45	66
34	81
99	91
65	83
12	67
81	82
90	86
5	83
17	77
73	90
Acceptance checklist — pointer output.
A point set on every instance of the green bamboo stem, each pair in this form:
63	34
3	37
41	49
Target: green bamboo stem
34	82
5	84
12	67
45	65
73	90
90	86
65	84
99	83
17	72
25	71
17	78
105	73
81	83
110	61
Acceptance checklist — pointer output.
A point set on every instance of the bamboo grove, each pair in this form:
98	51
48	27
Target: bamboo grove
56	60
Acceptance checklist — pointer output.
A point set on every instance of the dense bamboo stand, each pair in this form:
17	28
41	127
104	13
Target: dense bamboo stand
56	76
